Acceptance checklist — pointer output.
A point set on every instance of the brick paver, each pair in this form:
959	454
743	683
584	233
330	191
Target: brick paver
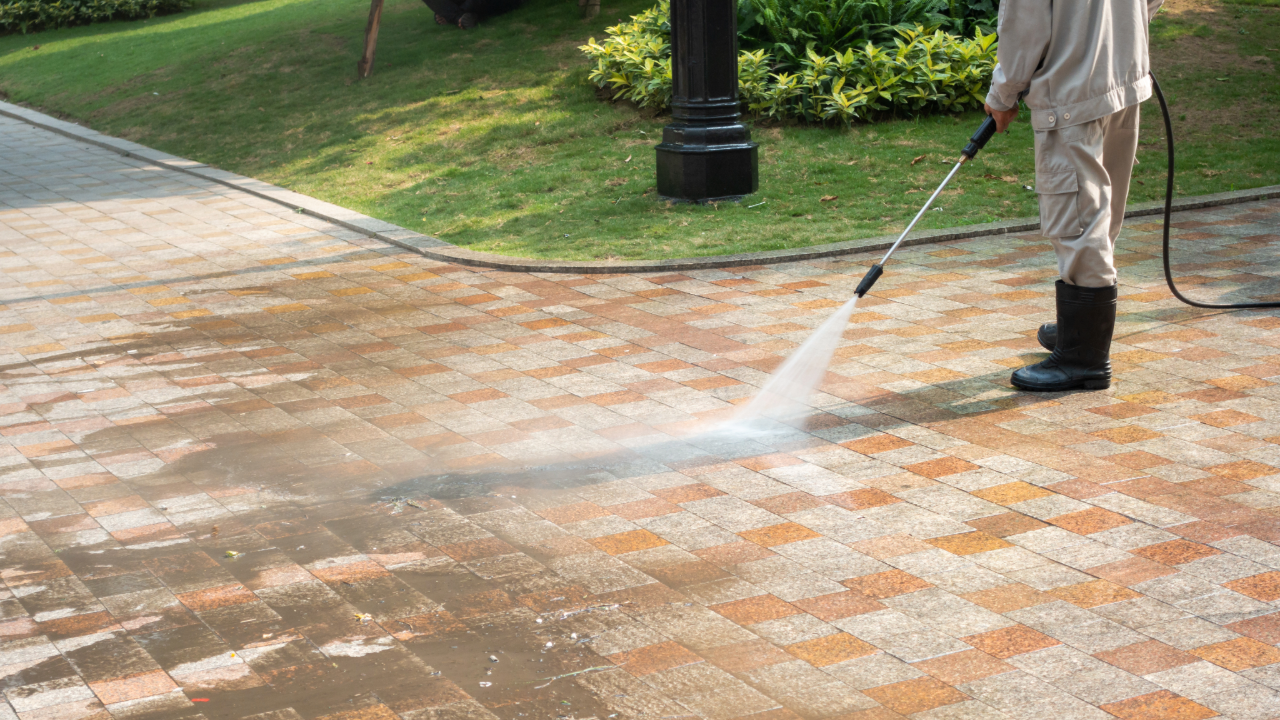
257	465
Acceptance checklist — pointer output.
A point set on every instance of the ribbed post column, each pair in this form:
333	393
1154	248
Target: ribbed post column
705	154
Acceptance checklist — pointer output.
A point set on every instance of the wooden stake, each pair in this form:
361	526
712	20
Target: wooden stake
365	67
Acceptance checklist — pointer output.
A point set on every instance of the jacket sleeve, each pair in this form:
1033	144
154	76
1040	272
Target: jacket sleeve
1024	27
1152	7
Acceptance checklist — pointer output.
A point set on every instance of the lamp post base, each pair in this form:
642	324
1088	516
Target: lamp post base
703	164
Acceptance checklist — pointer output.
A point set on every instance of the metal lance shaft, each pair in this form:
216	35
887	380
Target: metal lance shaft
976	143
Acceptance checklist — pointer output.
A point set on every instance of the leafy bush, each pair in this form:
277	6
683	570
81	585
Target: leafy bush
969	15
26	16
635	58
923	71
786	28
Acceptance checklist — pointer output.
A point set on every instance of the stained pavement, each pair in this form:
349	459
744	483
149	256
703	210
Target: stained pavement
256	465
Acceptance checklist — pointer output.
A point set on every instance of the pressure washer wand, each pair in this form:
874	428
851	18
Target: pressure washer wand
976	143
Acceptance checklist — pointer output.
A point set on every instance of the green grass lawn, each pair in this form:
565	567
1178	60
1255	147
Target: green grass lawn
493	140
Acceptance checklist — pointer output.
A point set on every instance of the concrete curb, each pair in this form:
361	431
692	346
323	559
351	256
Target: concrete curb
440	250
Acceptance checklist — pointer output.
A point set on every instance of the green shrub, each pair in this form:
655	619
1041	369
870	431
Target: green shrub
967	16
787	29
634	60
923	71
26	16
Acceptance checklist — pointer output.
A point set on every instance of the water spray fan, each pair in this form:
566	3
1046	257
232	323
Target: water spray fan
979	140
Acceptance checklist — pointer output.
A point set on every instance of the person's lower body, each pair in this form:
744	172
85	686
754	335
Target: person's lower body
468	13
1082	178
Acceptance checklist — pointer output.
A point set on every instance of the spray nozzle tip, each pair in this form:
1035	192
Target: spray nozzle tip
869	279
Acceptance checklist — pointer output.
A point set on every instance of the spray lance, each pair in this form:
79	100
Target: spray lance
979	140
976	143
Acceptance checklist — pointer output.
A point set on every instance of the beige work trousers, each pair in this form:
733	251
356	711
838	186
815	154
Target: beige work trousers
1082	178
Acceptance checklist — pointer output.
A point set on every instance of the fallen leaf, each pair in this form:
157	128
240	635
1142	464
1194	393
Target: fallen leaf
829	198
913	162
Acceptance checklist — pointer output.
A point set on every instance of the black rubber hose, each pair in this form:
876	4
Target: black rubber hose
1168	212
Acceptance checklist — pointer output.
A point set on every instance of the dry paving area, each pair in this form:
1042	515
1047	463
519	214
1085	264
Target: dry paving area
255	465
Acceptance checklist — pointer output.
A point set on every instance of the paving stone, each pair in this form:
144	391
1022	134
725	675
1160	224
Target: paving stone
260	459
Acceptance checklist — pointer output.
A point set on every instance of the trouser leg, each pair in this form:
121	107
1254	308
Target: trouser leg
446	9
489	8
1119	151
1082	177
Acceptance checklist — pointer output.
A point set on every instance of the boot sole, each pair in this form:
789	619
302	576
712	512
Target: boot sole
1097	384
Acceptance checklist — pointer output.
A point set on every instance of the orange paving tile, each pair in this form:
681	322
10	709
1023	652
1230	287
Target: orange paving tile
756	609
962	667
1010	641
627	542
886	584
1239	654
780	534
1263	586
913	696
969	543
1159	705
1094	593
1011	493
831	649
1145	658
1176	552
655	658
1087	522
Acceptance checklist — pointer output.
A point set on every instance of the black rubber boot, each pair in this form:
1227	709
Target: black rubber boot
1047	335
1082	355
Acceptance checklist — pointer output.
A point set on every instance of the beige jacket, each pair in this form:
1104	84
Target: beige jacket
1078	60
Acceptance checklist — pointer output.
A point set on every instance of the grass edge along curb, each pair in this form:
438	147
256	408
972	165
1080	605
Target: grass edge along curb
437	249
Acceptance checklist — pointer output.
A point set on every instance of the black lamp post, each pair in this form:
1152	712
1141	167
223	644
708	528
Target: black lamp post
706	154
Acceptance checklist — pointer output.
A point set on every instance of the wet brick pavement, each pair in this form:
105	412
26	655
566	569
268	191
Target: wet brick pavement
255	465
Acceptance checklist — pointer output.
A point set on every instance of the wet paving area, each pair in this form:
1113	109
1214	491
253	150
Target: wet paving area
255	465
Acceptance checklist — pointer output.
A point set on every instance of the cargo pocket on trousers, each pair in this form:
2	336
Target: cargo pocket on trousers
1059	212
